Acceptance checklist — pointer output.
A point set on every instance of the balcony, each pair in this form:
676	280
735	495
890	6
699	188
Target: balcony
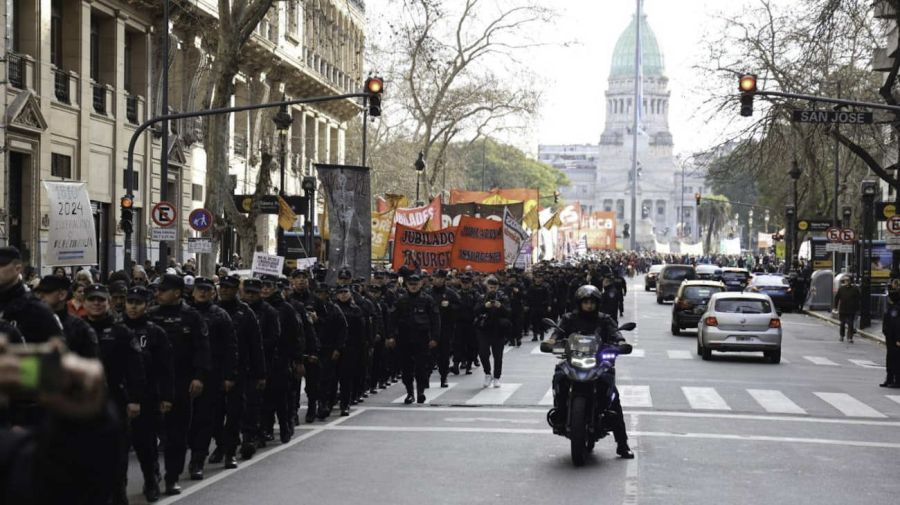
16	70
131	109
99	98
61	85
240	145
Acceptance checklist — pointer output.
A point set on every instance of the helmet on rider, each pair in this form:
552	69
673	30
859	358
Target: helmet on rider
587	292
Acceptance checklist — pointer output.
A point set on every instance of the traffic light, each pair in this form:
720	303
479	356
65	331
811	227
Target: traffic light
374	87
626	231
747	87
556	197
126	222
697	198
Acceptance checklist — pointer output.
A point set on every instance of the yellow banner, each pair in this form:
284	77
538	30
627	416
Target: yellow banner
286	216
381	233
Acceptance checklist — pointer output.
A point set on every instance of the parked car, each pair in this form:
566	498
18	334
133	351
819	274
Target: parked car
650	278
777	286
670	277
690	303
740	322
735	279
708	272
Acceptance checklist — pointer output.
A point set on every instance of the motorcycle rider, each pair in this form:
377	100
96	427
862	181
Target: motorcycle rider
587	320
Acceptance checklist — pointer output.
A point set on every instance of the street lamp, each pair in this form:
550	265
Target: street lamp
309	186
795	172
420	170
869	189
282	120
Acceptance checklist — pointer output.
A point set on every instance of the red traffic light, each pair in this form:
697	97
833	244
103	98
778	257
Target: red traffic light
127	202
747	83
374	85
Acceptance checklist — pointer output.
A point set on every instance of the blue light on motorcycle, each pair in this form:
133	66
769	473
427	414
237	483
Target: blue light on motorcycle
608	356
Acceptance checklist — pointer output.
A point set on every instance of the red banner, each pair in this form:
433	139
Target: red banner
418	217
479	244
600	230
422	249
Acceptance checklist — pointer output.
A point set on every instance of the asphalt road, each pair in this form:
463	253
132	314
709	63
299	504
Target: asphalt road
814	429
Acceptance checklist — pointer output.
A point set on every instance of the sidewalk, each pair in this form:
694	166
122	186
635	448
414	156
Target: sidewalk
872	333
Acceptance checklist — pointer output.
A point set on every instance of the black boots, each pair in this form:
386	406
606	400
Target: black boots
195	467
215	457
151	489
624	451
230	462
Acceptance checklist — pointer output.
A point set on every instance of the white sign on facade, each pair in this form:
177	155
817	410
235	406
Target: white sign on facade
199	245
163	234
71	240
267	264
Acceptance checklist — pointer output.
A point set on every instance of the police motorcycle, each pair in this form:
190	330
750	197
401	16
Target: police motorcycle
589	366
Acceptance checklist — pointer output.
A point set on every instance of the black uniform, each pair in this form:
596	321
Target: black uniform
891	329
156	357
223	367
349	370
610	302
189	336
448	302
25	318
465	344
540	305
516	296
270	331
80	337
312	378
331	328
278	396
418	321
492	326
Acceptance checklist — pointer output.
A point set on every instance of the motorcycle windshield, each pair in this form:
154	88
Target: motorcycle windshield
583	344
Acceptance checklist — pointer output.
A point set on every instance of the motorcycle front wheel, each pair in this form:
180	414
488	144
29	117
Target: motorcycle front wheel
578	430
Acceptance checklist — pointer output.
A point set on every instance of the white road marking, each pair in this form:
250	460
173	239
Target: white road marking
865	363
819	360
635	353
635	396
848	405
895	398
431	394
547	399
704	398
494	396
631	466
680	354
491	420
775	401
537	350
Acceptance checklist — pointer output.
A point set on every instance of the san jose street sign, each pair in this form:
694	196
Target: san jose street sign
832	116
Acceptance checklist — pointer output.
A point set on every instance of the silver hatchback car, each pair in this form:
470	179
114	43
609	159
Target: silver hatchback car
740	322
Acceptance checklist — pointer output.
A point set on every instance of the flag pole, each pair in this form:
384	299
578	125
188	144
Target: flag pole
634	129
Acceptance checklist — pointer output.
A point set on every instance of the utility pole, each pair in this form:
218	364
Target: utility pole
164	147
634	129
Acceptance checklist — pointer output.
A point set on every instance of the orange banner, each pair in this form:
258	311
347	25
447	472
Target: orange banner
479	244
417	249
419	217
599	229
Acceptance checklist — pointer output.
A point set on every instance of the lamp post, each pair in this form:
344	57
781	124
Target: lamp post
750	231
795	172
789	215
420	170
282	120
869	189
846	213
309	186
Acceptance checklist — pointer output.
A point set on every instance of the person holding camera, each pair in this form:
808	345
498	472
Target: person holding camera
492	326
22	316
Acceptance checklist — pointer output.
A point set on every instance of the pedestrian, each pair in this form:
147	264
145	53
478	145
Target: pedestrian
891	329
270	332
846	303
492	326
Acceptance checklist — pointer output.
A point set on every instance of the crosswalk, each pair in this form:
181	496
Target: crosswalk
697	398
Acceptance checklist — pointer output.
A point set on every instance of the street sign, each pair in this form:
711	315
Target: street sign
200	219
848	235
893	225
838	247
164	214
268	204
199	245
813	224
167	234
833	234
884	210
832	116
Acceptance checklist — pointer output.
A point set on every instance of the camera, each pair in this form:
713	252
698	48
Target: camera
40	368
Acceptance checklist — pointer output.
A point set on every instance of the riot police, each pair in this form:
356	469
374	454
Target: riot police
79	336
448	301
23	317
416	332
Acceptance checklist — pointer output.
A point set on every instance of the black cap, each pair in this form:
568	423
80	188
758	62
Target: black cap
414	278
7	254
345	273
170	281
340	289
465	277
96	290
379	274
492	280
230	281
50	283
252	285
284	283
118	288
204	283
441	274
268	278
300	273
138	293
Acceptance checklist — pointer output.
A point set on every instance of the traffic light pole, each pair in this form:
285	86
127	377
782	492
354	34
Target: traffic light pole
828	99
129	179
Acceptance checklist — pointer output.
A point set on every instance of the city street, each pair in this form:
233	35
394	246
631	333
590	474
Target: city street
814	429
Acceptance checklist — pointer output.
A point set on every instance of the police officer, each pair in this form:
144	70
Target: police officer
228	419
416	332
117	291
516	295
610	301
188	334
278	397
448	301
331	326
379	370
492	326
156	356
222	374
270	331
891	330
79	336
125	377
349	368
465	343
303	301
540	305
23	317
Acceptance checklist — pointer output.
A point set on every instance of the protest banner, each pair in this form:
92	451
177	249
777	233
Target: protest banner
348	202
267	264
71	240
427	217
479	244
599	229
513	237
416	249
382	224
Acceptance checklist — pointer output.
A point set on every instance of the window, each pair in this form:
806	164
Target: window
197	192
95	50
61	166
128	55
742	306
56	33
134	180
292	16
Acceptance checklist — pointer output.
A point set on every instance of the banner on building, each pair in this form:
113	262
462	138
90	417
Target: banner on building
382	224
513	237
426	218
599	229
71	240
417	249
348	199
479	244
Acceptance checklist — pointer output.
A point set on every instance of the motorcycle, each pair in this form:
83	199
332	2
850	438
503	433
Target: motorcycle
589	367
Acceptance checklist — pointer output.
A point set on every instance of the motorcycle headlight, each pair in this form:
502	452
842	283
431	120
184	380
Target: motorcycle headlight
584	362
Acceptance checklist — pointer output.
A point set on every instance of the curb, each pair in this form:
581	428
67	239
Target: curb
865	334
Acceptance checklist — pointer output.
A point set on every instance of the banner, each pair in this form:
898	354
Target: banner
567	243
267	264
71	240
419	217
530	198
390	201
417	249
450	213
348	200
599	228
382	224
479	244
513	237
496	211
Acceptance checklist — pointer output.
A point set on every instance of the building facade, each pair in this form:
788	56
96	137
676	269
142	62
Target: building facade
81	75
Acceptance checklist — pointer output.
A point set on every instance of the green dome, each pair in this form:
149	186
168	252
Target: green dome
623	56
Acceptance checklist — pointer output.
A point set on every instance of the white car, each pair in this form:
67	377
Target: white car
740	322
